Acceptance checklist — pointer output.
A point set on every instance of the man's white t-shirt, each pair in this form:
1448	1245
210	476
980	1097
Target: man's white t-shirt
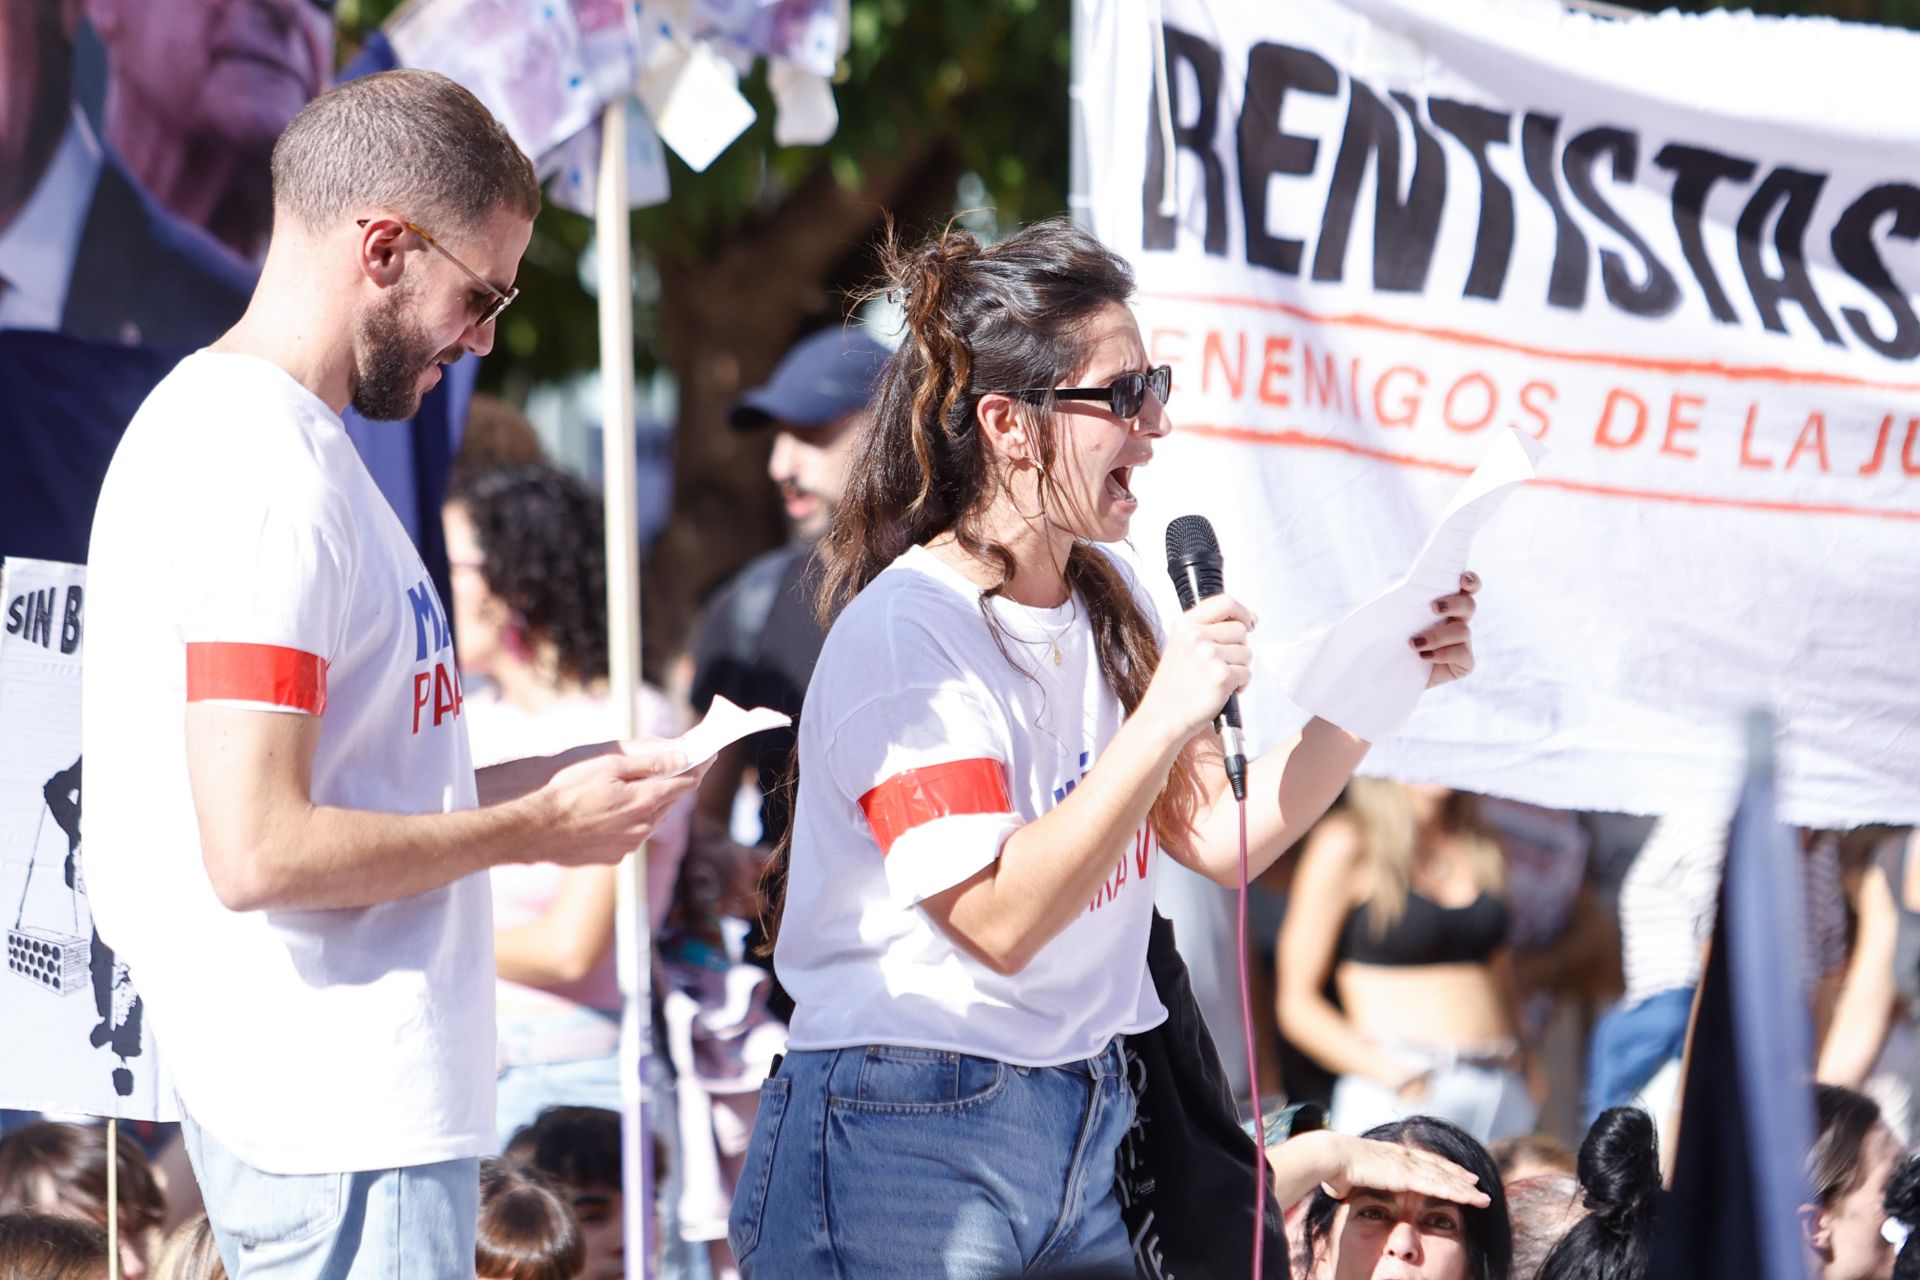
241	554
925	743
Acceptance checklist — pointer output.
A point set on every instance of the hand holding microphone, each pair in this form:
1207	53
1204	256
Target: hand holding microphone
1208	650
1206	662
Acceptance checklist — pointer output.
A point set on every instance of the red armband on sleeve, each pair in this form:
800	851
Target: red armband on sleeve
220	671
917	796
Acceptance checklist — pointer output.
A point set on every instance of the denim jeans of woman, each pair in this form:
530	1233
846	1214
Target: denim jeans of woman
1476	1089
877	1162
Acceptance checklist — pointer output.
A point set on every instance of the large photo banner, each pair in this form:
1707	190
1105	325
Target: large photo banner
1679	251
135	206
73	1026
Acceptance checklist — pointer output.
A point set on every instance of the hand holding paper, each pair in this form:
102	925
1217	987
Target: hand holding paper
1365	677
724	725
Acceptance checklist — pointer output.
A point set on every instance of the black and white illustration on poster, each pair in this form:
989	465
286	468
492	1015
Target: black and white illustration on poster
76	1039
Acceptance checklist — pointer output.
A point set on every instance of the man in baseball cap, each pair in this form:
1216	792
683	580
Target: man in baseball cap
816	402
758	639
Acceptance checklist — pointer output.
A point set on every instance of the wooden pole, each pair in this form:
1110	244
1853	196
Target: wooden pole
632	937
113	1198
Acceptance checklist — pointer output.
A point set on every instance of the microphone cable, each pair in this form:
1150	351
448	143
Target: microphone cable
1193	562
1253	1066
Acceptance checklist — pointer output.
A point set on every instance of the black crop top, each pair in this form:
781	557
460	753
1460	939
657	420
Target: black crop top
1428	933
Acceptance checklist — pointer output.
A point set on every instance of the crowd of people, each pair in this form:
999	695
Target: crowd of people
1417	1197
901	947
549	1206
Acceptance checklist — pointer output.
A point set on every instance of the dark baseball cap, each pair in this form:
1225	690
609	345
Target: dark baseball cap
826	376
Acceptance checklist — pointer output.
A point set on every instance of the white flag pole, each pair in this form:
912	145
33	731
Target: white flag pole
632	937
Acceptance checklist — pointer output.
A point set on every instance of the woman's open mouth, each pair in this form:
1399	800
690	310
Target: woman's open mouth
1117	480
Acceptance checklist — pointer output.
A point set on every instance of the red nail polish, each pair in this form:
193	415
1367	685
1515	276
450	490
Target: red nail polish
1418	642
1439	606
1426	653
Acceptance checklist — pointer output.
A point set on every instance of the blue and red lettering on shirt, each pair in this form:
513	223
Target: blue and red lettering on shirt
437	689
1133	865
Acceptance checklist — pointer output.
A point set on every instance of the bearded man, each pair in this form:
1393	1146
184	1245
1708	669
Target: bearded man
286	838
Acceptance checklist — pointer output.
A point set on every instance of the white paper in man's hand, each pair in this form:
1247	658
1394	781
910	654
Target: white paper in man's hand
724	725
1364	677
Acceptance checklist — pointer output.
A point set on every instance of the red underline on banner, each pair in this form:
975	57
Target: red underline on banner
1648	364
1301	440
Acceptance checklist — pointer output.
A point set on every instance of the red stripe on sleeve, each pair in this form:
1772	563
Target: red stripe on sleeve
906	800
269	673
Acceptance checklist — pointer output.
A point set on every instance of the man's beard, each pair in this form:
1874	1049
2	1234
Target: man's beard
390	357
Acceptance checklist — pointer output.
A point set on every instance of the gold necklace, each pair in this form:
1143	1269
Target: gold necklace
1050	639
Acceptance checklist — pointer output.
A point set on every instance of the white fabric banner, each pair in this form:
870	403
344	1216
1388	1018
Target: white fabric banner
72	1034
1681	251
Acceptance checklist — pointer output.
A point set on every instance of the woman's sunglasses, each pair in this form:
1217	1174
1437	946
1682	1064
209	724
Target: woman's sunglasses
1126	395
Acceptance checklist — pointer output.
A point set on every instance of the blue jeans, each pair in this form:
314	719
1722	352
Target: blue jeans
524	1092
385	1224
1631	1043
878	1162
543	1073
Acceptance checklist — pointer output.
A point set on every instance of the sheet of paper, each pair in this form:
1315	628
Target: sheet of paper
804	110
696	104
724	725
1364	677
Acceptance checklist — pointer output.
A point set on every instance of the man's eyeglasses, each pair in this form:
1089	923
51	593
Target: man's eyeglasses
500	300
1126	395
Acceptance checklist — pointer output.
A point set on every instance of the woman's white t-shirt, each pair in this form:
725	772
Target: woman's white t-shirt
926	741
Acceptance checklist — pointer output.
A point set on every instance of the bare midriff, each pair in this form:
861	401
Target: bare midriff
1453	1005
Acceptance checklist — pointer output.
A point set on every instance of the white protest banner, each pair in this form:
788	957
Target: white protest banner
1364	676
1680	251
72	1024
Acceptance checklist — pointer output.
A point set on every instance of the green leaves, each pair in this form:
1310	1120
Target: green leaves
982	82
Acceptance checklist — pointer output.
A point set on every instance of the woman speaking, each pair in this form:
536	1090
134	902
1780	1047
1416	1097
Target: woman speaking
996	748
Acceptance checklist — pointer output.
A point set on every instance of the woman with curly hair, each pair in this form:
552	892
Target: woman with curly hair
997	747
529	572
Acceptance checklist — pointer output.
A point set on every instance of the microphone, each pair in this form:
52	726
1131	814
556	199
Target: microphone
1193	561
